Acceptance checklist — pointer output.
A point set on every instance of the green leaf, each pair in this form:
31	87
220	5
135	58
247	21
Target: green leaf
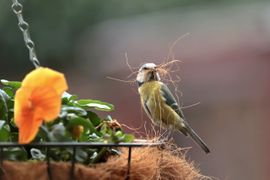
119	134
10	104
13	136
80	156
4	95
100	155
108	118
9	91
66	95
3	105
93	118
94	137
73	97
64	101
71	109
2	123
104	129
13	84
4	131
12	123
44	133
15	154
66	98
99	105
59	133
129	137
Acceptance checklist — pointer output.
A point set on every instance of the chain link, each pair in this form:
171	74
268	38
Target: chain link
24	27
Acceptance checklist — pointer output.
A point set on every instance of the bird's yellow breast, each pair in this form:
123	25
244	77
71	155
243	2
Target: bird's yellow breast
160	113
150	90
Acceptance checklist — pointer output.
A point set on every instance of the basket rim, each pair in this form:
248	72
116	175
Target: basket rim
81	144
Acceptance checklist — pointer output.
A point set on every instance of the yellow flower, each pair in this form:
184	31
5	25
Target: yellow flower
77	131
38	100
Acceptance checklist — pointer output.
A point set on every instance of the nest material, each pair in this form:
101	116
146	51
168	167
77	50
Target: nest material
146	163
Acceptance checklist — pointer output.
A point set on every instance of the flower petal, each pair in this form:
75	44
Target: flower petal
38	99
22	106
28	129
47	101
42	77
27	118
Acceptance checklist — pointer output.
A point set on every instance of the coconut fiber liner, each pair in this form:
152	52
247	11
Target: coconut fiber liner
146	163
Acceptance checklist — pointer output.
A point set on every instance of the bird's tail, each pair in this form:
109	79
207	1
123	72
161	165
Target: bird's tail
196	138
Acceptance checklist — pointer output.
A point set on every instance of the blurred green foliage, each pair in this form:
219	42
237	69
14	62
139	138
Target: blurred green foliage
56	25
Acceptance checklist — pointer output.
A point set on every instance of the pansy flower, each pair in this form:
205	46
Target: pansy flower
38	100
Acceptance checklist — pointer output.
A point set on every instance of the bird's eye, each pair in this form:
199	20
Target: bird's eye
145	68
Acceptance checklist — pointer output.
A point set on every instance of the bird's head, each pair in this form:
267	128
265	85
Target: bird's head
147	72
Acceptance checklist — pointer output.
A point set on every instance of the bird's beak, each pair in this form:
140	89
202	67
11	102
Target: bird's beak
152	70
152	73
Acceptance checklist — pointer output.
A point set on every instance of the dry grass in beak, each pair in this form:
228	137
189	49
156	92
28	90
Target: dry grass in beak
166	68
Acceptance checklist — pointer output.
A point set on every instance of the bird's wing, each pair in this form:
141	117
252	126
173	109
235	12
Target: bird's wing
147	110
170	100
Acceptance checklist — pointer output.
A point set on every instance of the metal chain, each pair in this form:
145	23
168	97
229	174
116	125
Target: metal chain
24	27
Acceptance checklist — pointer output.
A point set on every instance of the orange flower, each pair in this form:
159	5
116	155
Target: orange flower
38	99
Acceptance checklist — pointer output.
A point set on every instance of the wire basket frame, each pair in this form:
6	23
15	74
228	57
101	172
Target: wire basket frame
74	146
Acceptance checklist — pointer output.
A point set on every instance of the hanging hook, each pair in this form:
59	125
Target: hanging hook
24	27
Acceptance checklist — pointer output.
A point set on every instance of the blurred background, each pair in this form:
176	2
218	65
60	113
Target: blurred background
225	66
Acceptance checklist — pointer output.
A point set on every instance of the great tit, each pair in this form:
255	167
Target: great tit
160	105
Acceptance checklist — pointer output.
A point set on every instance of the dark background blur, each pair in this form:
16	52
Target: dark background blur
225	66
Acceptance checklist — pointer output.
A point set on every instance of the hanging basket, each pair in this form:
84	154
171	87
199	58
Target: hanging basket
137	161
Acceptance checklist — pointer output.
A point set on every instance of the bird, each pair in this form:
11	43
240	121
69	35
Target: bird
161	106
